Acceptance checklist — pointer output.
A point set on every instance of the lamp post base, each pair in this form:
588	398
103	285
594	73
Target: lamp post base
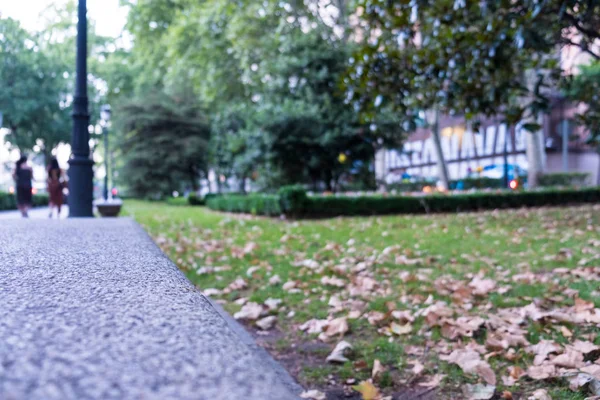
81	187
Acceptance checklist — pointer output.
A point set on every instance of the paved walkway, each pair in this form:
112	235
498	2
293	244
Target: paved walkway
92	309
36	213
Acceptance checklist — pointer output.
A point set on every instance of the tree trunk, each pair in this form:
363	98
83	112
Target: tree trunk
441	162
535	155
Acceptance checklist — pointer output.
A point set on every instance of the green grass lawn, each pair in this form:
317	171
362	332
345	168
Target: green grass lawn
418	295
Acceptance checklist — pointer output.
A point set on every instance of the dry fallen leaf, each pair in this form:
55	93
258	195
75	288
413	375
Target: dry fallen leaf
367	390
540	394
471	363
400	329
544	371
478	392
249	311
340	352
418	367
266	323
313	395
338	326
569	359
543	349
314	326
434	381
378	369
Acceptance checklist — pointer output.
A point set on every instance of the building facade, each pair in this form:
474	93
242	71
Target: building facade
465	150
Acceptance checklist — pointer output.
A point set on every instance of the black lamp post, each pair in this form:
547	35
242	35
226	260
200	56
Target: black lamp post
105	114
81	175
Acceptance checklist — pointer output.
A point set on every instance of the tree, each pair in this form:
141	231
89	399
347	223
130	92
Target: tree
164	144
33	98
468	58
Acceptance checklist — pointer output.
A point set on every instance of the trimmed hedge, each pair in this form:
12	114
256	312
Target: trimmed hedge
379	205
195	200
564	179
9	201
257	204
177	201
332	206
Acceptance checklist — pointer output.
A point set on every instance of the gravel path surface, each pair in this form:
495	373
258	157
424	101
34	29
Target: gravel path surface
92	309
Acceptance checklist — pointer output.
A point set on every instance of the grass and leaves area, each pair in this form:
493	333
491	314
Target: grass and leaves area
476	305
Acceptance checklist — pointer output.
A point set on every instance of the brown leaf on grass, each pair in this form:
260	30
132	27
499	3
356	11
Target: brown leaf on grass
333	281
542	350
506	395
578	380
566	332
340	353
470	362
417	368
367	390
482	286
249	311
338	326
377	370
582	305
584	347
313	395
314	326
593	370
540	372
433	382
374	317
569	359
478	392
400	329
403	316
266	323
540	394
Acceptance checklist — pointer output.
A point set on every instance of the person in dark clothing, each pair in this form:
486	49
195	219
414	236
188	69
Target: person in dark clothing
55	186
23	175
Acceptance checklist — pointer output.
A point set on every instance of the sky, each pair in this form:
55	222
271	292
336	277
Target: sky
110	18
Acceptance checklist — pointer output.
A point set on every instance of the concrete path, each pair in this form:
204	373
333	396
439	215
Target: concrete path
36	213
92	309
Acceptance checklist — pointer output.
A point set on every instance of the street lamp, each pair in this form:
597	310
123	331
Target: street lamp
105	114
81	175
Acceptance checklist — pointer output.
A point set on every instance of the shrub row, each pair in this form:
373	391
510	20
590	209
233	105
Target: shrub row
564	179
380	205
257	204
9	201
294	201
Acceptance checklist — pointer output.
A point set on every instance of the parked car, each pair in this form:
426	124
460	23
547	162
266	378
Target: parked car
496	171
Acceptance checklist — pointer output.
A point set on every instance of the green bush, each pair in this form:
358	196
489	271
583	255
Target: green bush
293	199
564	179
195	200
257	204
9	201
40	200
332	206
328	206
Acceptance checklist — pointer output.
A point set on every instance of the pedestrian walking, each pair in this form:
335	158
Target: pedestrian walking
23	175
55	185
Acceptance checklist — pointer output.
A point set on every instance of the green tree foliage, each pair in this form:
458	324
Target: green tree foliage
33	96
584	89
469	57
270	76
165	144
